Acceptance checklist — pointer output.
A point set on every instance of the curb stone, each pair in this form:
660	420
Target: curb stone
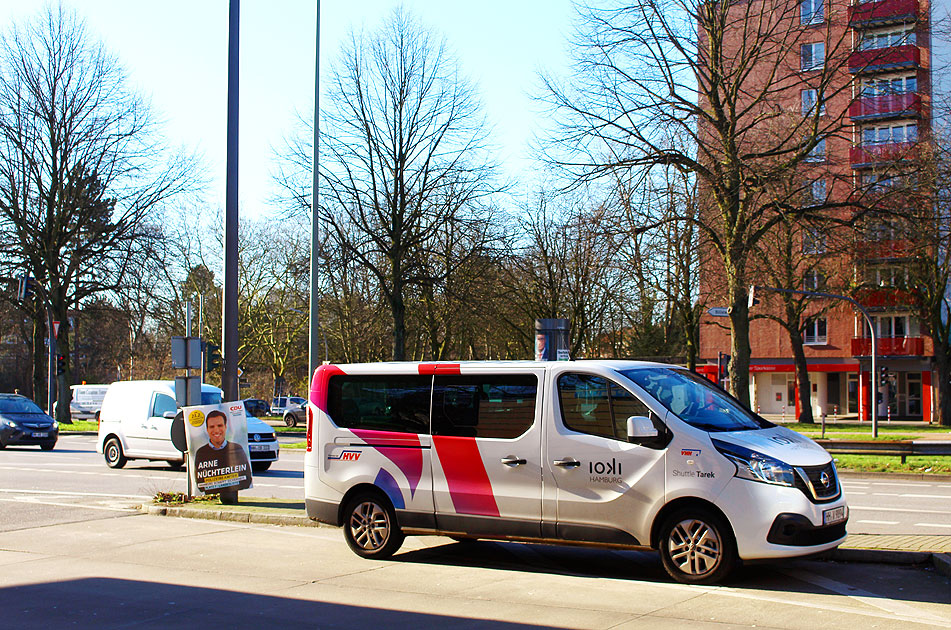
227	515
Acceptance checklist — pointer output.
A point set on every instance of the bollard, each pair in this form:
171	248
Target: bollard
784	413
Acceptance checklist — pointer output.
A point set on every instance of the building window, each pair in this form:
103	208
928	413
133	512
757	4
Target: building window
887	39
811	12
813	240
814	280
815	193
885	276
815	331
890	86
809	100
889	134
813	56
818	152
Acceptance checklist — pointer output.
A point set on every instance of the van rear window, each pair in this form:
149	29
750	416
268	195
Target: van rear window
394	403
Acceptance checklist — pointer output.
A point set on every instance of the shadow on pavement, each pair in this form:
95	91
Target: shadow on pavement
105	603
902	583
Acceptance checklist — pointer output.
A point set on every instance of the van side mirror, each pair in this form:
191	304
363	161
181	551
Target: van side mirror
169	414
640	428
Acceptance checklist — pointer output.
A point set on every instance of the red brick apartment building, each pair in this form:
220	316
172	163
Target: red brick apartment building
888	83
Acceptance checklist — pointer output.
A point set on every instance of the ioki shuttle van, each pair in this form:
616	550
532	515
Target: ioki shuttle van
607	453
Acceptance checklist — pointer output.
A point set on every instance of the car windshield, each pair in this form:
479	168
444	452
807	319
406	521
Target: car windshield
695	400
18	404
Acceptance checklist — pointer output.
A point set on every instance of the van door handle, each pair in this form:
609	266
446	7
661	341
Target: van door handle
568	462
513	461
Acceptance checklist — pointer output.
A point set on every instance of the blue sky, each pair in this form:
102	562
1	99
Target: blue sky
175	52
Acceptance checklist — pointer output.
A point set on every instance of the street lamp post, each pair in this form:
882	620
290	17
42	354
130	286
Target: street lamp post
873	389
313	355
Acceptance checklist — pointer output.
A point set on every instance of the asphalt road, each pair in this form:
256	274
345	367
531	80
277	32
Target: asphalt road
144	572
878	506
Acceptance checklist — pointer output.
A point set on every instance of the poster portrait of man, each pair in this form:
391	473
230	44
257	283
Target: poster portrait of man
217	448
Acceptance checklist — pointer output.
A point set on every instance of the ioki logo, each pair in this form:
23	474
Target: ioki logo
346	456
605	468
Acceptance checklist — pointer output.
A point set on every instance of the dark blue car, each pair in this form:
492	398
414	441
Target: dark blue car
23	422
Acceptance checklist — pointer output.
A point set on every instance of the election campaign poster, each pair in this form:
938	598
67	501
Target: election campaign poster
217	439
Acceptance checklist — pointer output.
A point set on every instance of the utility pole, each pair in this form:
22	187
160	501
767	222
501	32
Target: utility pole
313	355
229	320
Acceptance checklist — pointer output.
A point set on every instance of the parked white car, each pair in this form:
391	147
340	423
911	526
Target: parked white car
136	422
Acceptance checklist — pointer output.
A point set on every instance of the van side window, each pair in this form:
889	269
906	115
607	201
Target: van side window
492	406
381	403
162	403
597	406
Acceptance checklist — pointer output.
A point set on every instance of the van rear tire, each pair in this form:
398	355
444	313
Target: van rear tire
697	546
112	451
370	527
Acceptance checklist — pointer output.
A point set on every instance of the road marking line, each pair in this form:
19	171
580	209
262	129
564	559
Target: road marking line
927	496
75	494
70	505
852	493
294	487
902	485
890	509
886	494
945	525
879	522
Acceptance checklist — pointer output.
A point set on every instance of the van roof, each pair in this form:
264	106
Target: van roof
428	366
205	387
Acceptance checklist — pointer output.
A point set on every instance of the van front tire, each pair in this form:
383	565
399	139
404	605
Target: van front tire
112	451
697	547
369	525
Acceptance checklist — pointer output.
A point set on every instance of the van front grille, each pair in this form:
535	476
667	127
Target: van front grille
819	483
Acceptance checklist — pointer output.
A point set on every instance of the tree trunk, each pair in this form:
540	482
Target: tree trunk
802	377
398	310
943	383
739	367
40	357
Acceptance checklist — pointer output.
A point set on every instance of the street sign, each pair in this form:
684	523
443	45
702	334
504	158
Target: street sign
55	328
718	311
186	353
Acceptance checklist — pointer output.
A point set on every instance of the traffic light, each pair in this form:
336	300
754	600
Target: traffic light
60	364
883	376
212	356
25	289
753	300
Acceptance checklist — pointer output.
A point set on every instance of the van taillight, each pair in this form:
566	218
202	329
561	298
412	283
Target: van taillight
310	428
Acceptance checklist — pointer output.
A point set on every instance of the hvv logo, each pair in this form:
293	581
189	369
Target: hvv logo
346	456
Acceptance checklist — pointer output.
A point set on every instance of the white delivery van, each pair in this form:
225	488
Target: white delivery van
136	423
609	453
86	401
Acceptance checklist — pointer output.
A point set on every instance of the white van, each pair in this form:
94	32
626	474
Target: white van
136	423
609	453
86	401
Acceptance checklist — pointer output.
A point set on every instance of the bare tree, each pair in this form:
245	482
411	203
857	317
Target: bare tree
696	85
82	174
402	134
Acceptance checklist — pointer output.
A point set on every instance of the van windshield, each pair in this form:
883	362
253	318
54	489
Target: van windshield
695	400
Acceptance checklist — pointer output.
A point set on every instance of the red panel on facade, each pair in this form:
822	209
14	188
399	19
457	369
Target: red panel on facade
888	346
883	12
882	59
864	156
881	106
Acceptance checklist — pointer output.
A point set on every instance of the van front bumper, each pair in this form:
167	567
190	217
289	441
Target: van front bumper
772	521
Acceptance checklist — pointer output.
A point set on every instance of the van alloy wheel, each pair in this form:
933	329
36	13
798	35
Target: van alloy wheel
697	547
112	450
370	527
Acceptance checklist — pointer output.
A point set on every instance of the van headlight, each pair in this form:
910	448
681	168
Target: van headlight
756	466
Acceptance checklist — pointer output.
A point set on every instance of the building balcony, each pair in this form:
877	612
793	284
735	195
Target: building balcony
889	346
882	249
884	59
888	106
884	297
872	14
867	156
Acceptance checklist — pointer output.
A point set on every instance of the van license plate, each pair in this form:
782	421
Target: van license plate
40	434
833	516
259	447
